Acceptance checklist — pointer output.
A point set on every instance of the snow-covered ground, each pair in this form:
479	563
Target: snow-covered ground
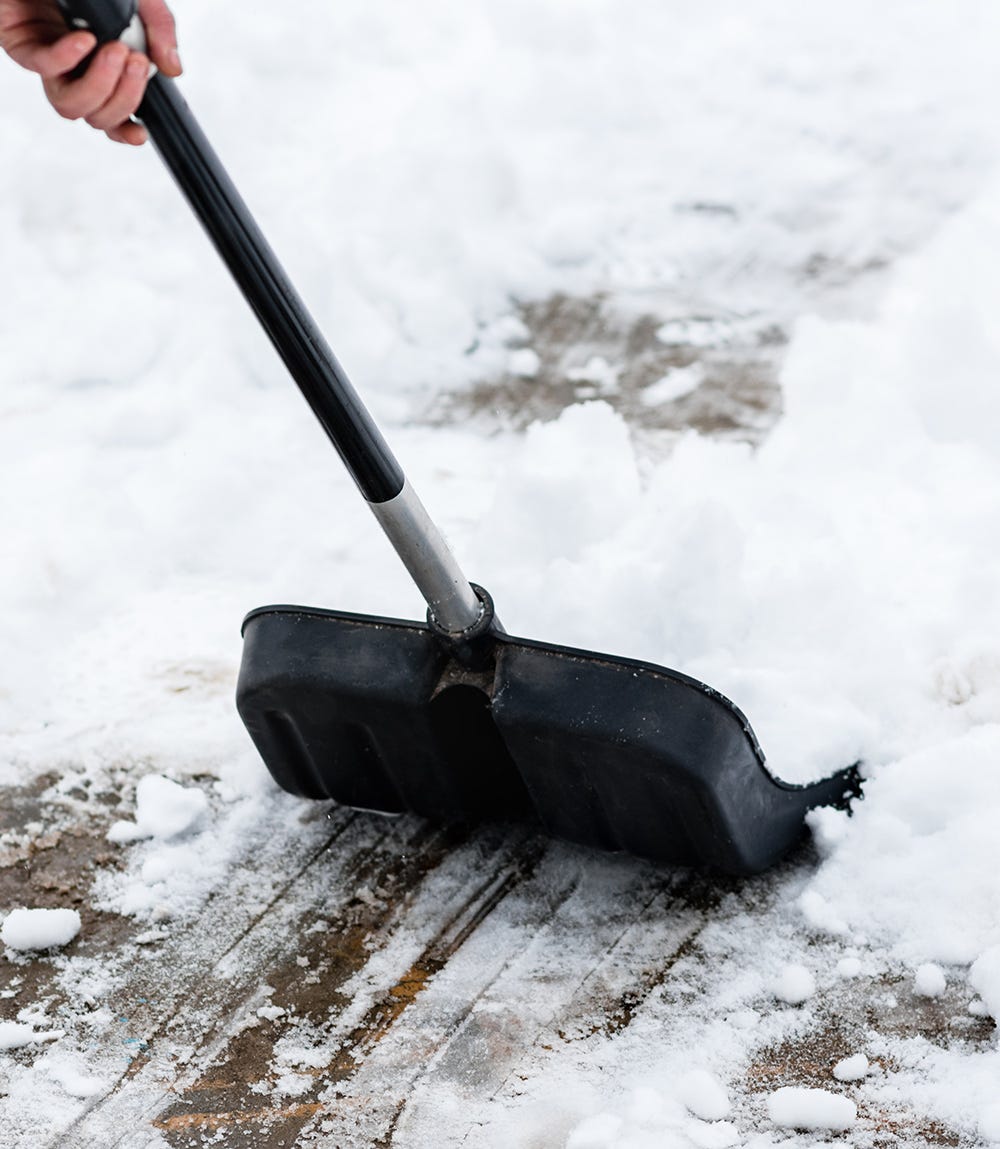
828	171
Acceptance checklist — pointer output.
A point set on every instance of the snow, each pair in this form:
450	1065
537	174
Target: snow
163	809
849	967
794	985
851	1068
838	581
929	980
14	1035
524	361
989	1125
28	929
703	1094
811	1109
596	370
984	977
596	1132
674	385
651	1120
73	1078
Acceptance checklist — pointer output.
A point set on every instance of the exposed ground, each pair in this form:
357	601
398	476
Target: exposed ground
736	359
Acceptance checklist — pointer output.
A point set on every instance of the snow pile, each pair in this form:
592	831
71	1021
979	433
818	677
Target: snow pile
922	423
925	822
26	929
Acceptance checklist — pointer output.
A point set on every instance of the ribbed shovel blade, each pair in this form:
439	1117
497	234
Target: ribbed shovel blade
608	752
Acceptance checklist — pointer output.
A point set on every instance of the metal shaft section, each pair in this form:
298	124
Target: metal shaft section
432	566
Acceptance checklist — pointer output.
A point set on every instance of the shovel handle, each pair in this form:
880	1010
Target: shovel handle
234	232
107	19
267	288
199	173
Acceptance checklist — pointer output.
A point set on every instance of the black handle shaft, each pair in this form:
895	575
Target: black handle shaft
454	607
236	236
253	264
107	19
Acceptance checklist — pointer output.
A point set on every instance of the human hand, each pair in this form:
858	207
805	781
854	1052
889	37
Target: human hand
34	34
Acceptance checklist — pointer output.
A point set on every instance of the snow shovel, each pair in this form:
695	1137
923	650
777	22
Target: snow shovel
452	718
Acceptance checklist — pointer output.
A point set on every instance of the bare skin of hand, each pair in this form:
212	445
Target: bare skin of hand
34	34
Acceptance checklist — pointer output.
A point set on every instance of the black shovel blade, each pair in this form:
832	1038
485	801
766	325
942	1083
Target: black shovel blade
608	752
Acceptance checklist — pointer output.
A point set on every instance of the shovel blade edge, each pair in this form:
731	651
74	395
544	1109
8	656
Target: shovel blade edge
603	751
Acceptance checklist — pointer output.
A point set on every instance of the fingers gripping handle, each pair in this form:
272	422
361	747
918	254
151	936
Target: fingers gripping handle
107	19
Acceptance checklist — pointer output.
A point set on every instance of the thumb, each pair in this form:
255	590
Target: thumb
161	36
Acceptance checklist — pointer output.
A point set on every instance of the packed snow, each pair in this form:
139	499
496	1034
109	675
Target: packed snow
825	172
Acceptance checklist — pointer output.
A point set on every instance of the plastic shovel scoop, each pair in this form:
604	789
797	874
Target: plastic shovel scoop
453	718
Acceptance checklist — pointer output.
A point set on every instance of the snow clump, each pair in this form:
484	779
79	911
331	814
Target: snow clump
794	985
851	1068
39	929
929	981
811	1109
13	1035
163	809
